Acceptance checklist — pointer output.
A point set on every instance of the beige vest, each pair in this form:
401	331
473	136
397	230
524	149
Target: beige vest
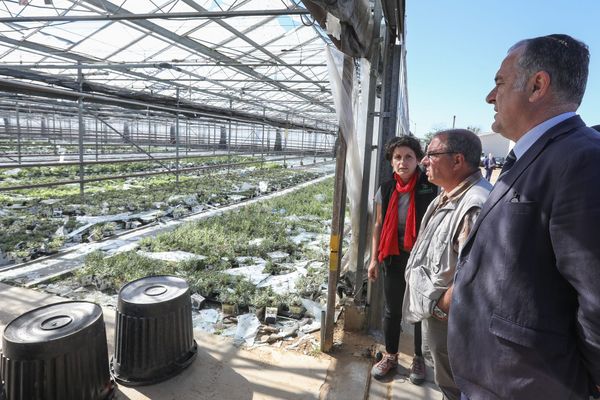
432	263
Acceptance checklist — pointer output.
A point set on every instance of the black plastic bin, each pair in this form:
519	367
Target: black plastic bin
57	352
154	338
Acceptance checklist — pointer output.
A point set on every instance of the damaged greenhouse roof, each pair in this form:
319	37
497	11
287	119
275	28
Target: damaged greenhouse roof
260	59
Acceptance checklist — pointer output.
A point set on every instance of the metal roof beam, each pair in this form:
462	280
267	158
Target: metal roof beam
257	46
133	17
157	64
200	48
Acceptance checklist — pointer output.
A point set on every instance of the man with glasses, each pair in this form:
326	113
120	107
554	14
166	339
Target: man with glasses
525	321
452	163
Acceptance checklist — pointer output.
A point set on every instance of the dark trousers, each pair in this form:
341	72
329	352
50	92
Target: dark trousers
488	173
394	286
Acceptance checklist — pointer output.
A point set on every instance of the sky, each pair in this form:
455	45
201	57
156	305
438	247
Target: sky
454	49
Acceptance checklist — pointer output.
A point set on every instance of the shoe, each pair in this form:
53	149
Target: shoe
417	370
388	363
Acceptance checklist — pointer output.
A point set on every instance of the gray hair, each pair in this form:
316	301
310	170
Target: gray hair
462	141
564	58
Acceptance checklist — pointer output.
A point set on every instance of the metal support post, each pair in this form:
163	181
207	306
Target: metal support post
81	128
96	132
18	135
177	143
229	139
262	144
363	206
337	221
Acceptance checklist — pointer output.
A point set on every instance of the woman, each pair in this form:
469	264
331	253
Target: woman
400	205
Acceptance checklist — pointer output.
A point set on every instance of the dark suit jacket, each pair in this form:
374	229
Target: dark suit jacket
525	317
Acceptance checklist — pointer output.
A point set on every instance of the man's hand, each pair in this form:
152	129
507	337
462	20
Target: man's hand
445	300
373	271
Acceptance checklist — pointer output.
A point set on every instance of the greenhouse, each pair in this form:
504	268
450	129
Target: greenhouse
223	152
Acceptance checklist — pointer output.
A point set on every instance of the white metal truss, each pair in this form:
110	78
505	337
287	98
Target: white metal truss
260	57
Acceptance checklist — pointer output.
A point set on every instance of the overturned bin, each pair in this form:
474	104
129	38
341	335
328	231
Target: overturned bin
57	352
154	338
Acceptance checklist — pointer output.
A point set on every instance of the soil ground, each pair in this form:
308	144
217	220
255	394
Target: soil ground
223	371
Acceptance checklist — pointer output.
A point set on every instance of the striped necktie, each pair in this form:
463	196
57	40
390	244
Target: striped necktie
508	163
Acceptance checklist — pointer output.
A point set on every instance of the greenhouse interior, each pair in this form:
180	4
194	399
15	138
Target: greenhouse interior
223	152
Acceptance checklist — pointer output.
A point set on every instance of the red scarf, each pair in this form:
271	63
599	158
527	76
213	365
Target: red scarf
388	243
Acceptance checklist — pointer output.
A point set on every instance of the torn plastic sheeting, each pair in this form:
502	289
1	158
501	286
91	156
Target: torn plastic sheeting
253	273
303	237
245	261
174	256
205	320
283	284
247	328
88	219
356	22
312	327
263	186
119	246
246	187
278	256
313	309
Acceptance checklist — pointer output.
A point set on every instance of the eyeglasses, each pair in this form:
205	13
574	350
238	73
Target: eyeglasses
428	155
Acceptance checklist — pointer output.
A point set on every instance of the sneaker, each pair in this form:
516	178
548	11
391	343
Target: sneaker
388	363
417	370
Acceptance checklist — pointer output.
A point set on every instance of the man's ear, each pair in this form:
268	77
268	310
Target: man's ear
459	159
539	86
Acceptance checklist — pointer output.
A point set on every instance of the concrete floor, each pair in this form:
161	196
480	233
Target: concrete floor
224	371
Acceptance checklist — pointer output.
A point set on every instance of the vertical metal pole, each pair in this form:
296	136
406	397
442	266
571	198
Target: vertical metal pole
177	143
229	139
302	144
315	147
149	129
18	135
81	128
363	221
262	144
215	140
453	121
187	136
105	141
285	134
252	137
54	124
337	221
96	131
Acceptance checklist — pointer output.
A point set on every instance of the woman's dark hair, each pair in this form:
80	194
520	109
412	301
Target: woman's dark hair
403	141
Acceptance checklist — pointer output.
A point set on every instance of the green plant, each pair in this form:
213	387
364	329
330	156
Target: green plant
265	297
123	267
229	296
309	286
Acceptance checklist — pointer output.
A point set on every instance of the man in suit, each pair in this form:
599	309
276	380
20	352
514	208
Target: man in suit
525	311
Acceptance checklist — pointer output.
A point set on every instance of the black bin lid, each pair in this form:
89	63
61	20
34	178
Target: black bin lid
153	295
51	330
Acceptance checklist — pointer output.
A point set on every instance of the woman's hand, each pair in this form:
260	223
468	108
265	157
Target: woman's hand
373	271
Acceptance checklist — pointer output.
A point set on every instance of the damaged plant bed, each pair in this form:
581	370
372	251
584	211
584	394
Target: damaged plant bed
38	222
269	254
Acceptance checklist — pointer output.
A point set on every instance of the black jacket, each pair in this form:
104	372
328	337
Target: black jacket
425	192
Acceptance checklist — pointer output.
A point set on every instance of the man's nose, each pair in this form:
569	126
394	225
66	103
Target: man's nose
491	97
